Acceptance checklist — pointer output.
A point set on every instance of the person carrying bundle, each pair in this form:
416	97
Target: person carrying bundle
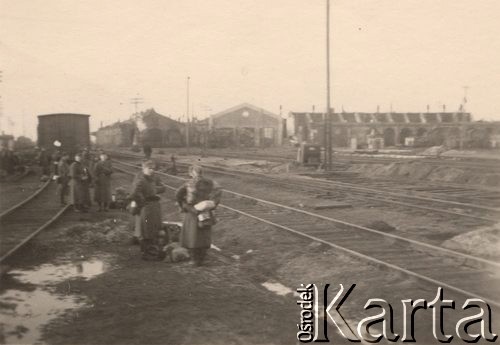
197	199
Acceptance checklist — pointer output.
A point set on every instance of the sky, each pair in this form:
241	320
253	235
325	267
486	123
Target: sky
93	56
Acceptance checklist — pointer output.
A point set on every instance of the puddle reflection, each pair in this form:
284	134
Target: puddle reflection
50	274
22	313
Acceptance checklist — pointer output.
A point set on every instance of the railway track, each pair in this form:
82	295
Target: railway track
462	273
456	206
341	158
22	222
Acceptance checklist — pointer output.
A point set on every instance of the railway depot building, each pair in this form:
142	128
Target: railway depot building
378	130
145	128
245	125
116	134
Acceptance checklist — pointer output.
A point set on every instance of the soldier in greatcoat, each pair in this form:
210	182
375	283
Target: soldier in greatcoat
56	158
102	182
144	196
196	235
44	161
63	178
80	183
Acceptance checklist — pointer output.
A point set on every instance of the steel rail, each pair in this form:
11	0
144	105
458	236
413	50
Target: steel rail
350	251
356	226
33	234
222	170
28	199
328	184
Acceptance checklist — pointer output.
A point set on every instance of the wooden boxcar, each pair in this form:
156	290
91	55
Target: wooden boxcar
71	130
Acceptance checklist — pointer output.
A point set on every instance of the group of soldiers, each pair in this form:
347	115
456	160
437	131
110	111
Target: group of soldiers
79	176
196	199
9	161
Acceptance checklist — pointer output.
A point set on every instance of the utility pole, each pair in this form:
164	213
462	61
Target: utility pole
1	107
464	101
187	114
135	101
328	119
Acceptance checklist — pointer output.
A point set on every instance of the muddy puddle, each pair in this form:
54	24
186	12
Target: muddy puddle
29	301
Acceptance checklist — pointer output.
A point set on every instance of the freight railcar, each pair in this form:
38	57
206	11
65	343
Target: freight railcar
71	130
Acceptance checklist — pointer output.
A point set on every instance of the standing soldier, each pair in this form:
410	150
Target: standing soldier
102	175
80	181
146	203
63	179
56	158
44	161
5	162
196	233
87	161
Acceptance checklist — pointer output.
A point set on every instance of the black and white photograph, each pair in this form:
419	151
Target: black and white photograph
249	172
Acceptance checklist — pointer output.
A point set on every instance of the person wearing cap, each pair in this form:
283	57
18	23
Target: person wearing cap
196	234
80	182
102	175
63	178
145	188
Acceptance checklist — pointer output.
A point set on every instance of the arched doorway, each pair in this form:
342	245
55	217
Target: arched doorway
421	132
389	137
405	133
152	137
452	139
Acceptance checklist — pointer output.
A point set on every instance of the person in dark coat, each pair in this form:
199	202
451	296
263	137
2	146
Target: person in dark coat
63	178
56	158
196	235
146	202
4	161
80	182
102	177
44	161
9	161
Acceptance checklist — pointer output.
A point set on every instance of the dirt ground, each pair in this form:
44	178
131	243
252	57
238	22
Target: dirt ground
224	302
17	190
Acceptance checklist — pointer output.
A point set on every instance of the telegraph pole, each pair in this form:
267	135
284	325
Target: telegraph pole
187	114
464	101
135	101
328	118
1	107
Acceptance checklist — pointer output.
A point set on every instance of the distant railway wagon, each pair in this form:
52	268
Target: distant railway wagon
71	130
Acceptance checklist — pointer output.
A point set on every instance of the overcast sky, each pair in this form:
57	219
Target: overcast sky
92	56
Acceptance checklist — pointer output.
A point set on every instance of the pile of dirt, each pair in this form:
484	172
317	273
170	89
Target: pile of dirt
415	170
108	231
483	242
434	151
